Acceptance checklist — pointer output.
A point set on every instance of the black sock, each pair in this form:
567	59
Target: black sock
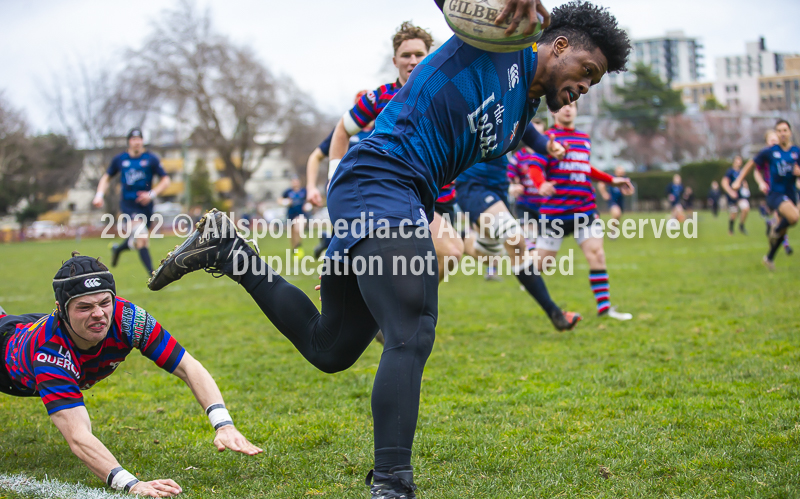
388	458
782	226
534	284
124	245
144	255
730	225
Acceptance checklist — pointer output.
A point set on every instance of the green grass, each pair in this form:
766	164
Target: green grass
696	397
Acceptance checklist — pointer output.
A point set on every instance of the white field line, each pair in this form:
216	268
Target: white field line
51	489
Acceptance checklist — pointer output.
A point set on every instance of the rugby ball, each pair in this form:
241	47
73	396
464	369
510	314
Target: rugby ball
473	22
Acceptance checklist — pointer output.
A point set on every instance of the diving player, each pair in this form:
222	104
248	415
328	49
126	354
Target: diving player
781	161
137	167
462	105
570	203
738	200
90	333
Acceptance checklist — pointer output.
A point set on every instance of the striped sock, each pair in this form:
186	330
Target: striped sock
598	279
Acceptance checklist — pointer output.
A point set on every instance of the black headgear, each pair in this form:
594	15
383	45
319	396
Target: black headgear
135	132
80	276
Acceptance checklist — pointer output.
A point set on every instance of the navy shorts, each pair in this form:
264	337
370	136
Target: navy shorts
523	210
446	209
132	209
774	199
475	198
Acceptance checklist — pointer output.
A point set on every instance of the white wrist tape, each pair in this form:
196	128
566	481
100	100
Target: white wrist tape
99	196
121	479
152	194
219	416
332	165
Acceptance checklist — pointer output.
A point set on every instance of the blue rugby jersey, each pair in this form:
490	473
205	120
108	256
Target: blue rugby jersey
732	175
492	173
42	358
676	191
136	173
296	198
780	165
461	105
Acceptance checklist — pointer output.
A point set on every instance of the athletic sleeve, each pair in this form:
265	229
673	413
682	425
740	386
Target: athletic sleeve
157	168
113	168
56	378
600	175
368	107
534	139
762	158
325	145
140	330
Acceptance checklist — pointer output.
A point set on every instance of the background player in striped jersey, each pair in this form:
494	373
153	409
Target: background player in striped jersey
738	199
411	45
569	206
450	115
781	161
616	201
522	188
83	341
136	167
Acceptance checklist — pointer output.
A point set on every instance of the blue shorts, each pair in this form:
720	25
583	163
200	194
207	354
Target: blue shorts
774	199
132	208
524	209
292	214
369	192
475	198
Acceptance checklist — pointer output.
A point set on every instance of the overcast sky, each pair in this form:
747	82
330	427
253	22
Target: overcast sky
330	48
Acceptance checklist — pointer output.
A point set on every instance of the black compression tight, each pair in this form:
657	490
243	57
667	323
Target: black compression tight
403	305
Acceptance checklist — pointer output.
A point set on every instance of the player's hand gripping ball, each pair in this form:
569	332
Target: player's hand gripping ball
473	21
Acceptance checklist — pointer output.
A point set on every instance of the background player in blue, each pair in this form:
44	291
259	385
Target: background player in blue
616	201
674	195
461	106
137	168
781	161
738	199
57	356
293	199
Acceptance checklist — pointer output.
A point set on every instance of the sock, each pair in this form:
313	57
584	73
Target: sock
786	241
389	457
534	284
772	250
782	226
741	227
598	279
144	255
125	244
730	225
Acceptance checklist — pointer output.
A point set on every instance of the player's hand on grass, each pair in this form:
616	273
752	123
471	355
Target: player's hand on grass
555	149
624	184
547	189
157	488
228	437
313	195
517	10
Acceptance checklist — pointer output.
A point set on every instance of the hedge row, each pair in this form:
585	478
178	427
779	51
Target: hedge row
699	175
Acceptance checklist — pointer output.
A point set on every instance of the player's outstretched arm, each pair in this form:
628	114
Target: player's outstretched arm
601	187
207	393
312	176
737	184
76	427
102	187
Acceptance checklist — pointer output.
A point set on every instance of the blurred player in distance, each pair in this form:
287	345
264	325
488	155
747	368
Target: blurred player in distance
90	333
294	199
674	196
780	161
714	195
136	167
615	199
738	200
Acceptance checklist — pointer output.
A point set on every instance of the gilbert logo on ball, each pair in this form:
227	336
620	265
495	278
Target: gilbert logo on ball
473	22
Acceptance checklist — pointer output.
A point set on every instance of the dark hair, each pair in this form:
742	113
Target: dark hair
781	122
588	26
408	31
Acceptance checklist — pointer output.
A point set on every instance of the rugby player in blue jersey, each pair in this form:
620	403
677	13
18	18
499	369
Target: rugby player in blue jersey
460	106
136	167
739	199
57	356
781	161
294	199
613	195
674	195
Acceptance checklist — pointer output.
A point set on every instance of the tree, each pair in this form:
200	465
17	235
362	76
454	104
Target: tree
646	102
200	186
712	104
13	148
220	92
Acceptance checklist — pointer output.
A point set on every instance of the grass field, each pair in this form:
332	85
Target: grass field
698	396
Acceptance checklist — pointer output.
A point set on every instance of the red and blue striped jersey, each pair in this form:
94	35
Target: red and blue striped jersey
41	357
519	172
447	193
369	106
571	175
